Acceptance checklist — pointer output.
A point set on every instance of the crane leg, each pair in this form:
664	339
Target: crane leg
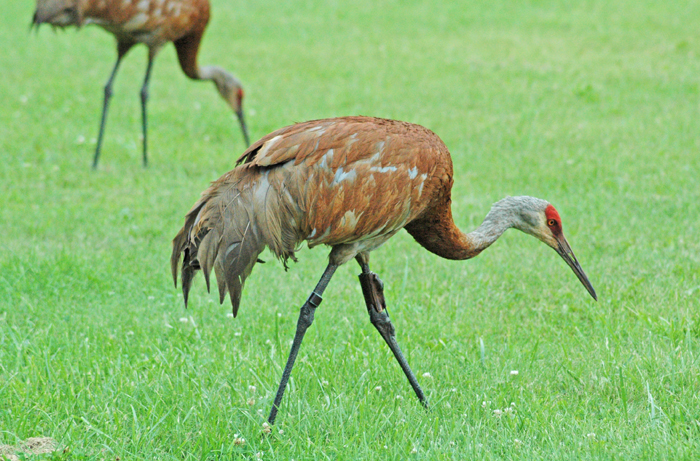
105	106
144	100
373	291
306	318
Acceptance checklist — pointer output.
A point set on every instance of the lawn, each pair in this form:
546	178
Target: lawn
592	105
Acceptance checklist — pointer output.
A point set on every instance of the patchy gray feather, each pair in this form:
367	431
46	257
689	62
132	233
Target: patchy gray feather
231	224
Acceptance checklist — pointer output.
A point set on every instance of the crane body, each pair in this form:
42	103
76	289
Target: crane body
350	183
153	23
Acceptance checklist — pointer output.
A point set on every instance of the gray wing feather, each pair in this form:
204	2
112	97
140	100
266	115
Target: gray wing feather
220	233
232	223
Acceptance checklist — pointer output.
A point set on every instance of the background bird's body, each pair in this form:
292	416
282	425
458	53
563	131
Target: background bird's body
153	23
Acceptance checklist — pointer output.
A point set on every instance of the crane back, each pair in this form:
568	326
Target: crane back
350	183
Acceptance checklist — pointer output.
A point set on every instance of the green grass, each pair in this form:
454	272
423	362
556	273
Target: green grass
591	105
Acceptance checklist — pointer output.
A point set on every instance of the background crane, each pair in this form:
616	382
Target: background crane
153	23
350	183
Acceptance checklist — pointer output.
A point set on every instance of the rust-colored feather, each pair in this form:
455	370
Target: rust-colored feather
350	183
347	182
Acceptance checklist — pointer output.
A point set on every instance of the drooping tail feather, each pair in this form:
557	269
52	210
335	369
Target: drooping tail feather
220	232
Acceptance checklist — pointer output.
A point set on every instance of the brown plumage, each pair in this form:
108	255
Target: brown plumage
350	183
153	23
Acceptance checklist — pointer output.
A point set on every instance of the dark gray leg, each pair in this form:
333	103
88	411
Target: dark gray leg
122	49
306	318
105	106
373	291
144	100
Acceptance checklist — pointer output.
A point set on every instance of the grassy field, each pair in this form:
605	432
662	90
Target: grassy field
592	105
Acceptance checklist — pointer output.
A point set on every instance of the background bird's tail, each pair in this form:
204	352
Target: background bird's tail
220	232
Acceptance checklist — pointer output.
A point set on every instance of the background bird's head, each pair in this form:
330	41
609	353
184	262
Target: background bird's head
541	220
60	13
231	89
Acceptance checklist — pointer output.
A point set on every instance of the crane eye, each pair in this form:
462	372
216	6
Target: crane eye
552	223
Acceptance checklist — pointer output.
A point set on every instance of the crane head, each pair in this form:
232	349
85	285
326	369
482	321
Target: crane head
541	220
61	13
231	89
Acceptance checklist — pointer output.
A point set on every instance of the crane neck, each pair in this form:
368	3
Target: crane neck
494	225
215	73
439	234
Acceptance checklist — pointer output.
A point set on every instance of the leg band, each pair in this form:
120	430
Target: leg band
315	299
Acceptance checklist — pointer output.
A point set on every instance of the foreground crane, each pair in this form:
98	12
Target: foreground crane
350	183
153	23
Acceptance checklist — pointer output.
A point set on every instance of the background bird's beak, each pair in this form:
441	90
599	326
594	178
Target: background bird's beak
241	120
567	254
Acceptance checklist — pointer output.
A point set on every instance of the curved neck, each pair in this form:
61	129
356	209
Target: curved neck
439	234
187	48
493	226
215	73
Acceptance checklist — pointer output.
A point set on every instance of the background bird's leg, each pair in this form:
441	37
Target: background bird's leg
122	48
306	318
373	291
144	100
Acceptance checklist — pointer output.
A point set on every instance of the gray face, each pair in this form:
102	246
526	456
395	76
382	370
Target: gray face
531	220
528	213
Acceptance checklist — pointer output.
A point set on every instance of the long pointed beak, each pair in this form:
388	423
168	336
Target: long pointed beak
241	120
567	254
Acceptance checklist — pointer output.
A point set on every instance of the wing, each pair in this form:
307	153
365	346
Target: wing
356	178
351	139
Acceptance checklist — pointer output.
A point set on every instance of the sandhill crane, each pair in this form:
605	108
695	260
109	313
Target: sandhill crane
350	183
153	23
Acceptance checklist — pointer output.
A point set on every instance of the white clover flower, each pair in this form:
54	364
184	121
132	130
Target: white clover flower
238	440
